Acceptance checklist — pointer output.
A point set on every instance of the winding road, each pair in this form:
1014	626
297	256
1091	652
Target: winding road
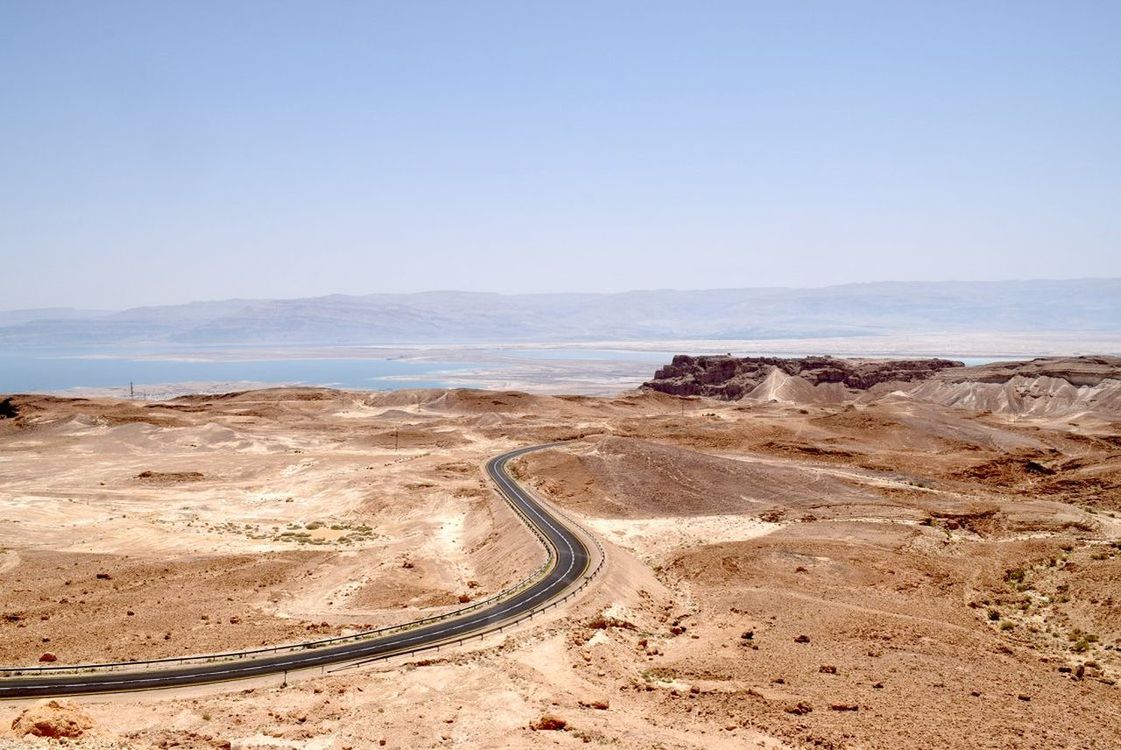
568	567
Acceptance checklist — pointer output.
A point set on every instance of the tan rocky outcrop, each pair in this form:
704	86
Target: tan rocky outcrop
1078	371
548	723
53	718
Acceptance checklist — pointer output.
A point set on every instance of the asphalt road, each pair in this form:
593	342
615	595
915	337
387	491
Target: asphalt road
570	563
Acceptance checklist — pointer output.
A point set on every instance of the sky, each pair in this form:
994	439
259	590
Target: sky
160	153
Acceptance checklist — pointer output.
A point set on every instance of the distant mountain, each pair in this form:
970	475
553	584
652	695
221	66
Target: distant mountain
1090	305
17	317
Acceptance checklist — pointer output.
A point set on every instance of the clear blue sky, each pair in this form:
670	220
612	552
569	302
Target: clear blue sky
163	152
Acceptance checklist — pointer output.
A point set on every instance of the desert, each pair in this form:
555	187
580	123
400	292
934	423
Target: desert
503	375
932	562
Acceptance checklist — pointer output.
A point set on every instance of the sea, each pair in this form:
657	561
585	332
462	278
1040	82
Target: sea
58	373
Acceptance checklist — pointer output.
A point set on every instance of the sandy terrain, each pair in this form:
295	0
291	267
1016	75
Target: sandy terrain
891	573
201	525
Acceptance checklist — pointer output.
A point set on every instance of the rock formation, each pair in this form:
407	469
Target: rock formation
1044	387
548	723
1078	371
1048	386
728	377
53	718
8	410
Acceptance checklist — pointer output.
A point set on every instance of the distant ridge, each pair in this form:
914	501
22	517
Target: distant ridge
730	378
1045	386
1086	305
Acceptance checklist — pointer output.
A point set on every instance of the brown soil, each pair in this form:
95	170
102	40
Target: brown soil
880	573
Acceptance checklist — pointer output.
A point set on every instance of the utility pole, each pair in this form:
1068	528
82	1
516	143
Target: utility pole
131	392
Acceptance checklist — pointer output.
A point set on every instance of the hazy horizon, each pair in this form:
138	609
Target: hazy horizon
569	292
1087	311
163	153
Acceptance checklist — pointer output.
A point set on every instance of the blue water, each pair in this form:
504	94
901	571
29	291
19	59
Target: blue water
605	355
974	361
40	374
43	374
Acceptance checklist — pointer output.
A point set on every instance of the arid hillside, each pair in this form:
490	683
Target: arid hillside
1048	386
878	570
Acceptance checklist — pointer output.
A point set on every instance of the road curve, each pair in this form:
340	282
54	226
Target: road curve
570	559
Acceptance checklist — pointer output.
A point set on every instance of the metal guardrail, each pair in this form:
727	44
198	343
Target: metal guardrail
352	638
175	661
481	634
588	578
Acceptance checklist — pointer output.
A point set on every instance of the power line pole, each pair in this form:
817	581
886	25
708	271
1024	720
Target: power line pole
131	392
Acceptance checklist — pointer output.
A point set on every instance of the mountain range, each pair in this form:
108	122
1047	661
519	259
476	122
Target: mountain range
1085	305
